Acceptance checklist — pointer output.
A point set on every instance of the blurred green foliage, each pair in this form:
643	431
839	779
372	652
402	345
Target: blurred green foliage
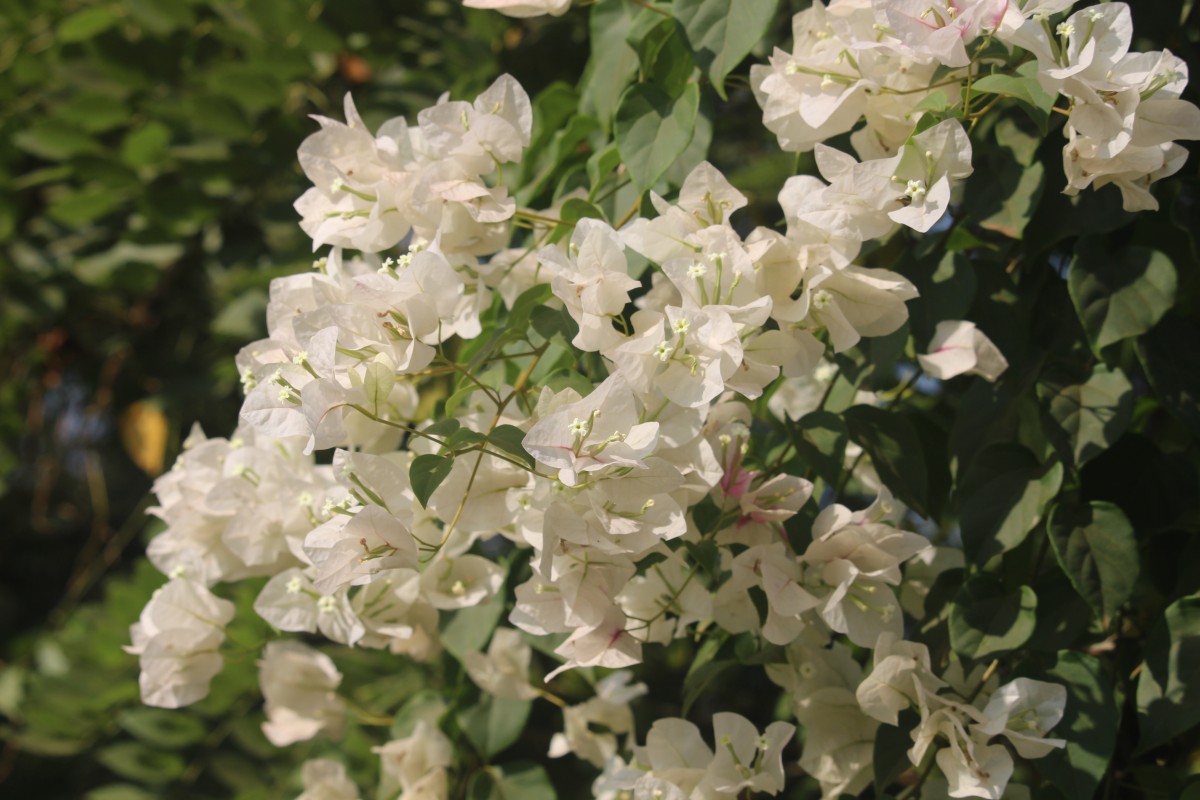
147	171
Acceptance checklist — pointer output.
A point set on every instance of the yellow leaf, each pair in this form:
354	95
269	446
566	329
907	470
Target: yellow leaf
144	434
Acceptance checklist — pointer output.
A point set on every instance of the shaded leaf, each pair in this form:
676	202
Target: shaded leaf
1118	295
427	473
1002	497
1089	416
1168	691
494	724
986	620
891	441
1095	547
1089	724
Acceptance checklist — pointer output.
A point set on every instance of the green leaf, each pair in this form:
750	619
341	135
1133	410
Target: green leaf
699	680
820	438
601	164
443	427
511	440
494	724
551	322
470	628
986	621
1168	691
721	33
146	145
653	129
1122	294
1023	87
1174	371
517	323
891	441
119	791
1089	416
427	473
1095	547
85	24
1090	723
613	63
518	781
161	728
1002	497
890	757
137	762
55	141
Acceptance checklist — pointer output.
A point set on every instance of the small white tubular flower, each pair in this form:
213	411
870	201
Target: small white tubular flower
326	780
504	670
522	8
959	348
299	686
1024	711
746	760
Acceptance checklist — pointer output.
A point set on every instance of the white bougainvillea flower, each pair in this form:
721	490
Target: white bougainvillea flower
1024	711
744	759
592	279
299	687
350	548
522	8
902	675
325	779
960	348
939	30
601	430
410	762
504	670
608	711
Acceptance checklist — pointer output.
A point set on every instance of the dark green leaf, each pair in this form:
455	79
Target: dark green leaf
427	473
890	757
820	438
1089	724
162	728
1168	691
721	33
140	763
986	621
1118	295
653	129
510	439
1174	370
1089	416
1095	547
512	782
1002	497
700	680
891	441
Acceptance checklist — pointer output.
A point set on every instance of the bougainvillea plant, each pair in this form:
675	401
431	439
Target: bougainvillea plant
547	408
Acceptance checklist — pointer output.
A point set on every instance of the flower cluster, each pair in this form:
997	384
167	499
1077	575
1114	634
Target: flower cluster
613	463
879	61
